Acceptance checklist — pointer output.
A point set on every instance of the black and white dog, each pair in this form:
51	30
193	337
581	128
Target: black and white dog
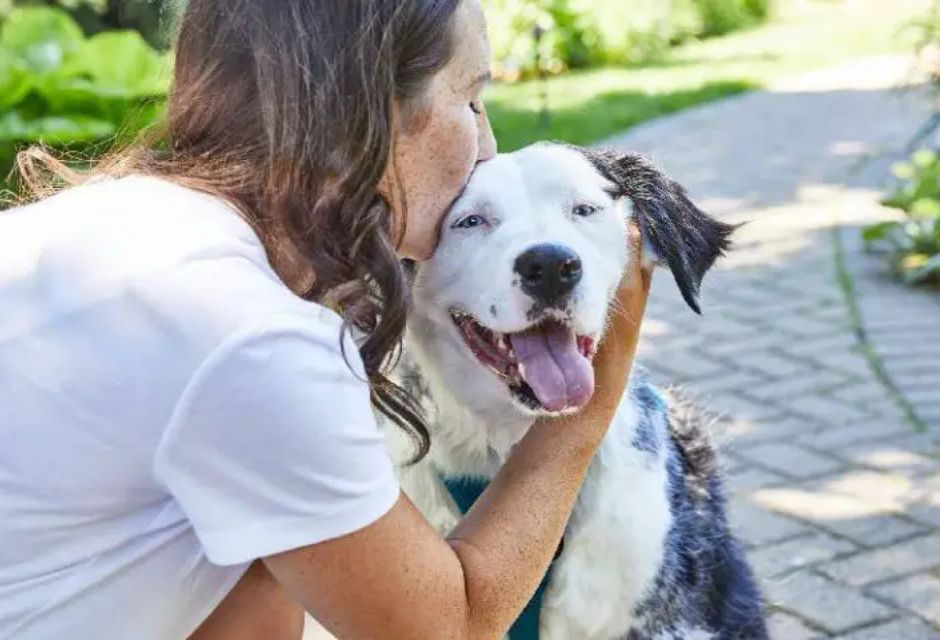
504	322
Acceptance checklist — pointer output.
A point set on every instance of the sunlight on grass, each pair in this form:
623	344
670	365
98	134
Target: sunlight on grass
588	106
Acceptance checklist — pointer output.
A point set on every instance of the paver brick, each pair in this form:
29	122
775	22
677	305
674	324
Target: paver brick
907	629
887	492
867	391
829	410
876	530
735	406
783	626
797	553
851	434
757	526
685	365
733	381
864	522
795	390
748	478
774	365
890	455
927	511
918	554
825	603
738	347
920	594
790	460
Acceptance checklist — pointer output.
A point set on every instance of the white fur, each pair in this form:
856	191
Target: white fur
614	540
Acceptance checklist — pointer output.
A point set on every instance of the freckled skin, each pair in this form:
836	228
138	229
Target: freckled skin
456	136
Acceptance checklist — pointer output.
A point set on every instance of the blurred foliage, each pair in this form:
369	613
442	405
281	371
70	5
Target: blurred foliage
724	16
153	19
912	243
927	30
582	33
67	90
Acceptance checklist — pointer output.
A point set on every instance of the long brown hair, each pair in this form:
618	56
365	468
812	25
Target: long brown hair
285	109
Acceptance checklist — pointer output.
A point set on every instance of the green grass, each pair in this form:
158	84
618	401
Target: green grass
588	106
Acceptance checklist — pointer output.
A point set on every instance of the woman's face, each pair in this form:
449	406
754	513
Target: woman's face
437	147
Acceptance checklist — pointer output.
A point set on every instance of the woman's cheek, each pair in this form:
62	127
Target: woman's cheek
464	152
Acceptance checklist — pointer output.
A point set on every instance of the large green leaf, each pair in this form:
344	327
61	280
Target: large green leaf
14	81
120	64
926	209
80	95
53	130
41	36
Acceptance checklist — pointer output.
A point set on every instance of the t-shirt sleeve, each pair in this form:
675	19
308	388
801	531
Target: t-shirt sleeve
273	445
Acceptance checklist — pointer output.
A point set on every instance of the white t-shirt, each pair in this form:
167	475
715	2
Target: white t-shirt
169	412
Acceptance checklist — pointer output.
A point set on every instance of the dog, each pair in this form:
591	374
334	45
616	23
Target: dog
504	321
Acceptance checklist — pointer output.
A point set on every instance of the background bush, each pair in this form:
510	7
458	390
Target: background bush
913	243
71	91
152	18
580	33
719	17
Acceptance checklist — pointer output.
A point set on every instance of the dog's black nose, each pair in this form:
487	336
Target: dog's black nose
548	271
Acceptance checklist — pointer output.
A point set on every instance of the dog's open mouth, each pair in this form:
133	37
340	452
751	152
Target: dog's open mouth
546	367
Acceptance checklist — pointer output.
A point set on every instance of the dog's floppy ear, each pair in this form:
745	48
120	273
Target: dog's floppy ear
683	236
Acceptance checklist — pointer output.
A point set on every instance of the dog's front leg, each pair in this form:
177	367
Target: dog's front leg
614	543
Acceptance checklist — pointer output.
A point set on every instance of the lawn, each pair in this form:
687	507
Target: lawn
587	106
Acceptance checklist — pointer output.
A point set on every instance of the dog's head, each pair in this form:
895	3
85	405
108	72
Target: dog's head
515	298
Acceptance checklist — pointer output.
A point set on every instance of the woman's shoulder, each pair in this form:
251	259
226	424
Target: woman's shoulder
188	259
157	209
153	219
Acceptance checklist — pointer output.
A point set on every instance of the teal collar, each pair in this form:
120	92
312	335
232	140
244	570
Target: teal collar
465	490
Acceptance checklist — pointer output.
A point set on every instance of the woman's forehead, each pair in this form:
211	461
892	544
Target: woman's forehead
471	59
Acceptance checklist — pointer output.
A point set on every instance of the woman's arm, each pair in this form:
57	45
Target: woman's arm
397	578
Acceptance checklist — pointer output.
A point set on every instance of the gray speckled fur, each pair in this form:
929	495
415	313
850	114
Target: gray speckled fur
704	582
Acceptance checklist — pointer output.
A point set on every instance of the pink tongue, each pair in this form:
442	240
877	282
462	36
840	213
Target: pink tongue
552	365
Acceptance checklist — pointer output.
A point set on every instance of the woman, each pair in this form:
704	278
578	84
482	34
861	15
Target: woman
189	445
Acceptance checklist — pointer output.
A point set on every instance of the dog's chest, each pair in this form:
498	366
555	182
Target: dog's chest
614	540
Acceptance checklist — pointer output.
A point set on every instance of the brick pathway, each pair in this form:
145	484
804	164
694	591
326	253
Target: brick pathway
835	492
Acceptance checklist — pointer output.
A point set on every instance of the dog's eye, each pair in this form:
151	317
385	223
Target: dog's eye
469	222
584	210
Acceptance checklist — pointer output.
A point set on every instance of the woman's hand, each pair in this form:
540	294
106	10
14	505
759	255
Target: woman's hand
615	354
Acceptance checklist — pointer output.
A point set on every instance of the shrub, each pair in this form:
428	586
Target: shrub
634	32
580	33
59	88
568	40
723	16
153	19
913	244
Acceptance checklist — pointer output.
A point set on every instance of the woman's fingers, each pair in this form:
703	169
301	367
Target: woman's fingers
615	356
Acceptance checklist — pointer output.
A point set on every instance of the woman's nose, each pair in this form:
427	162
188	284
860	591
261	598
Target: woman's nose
487	140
